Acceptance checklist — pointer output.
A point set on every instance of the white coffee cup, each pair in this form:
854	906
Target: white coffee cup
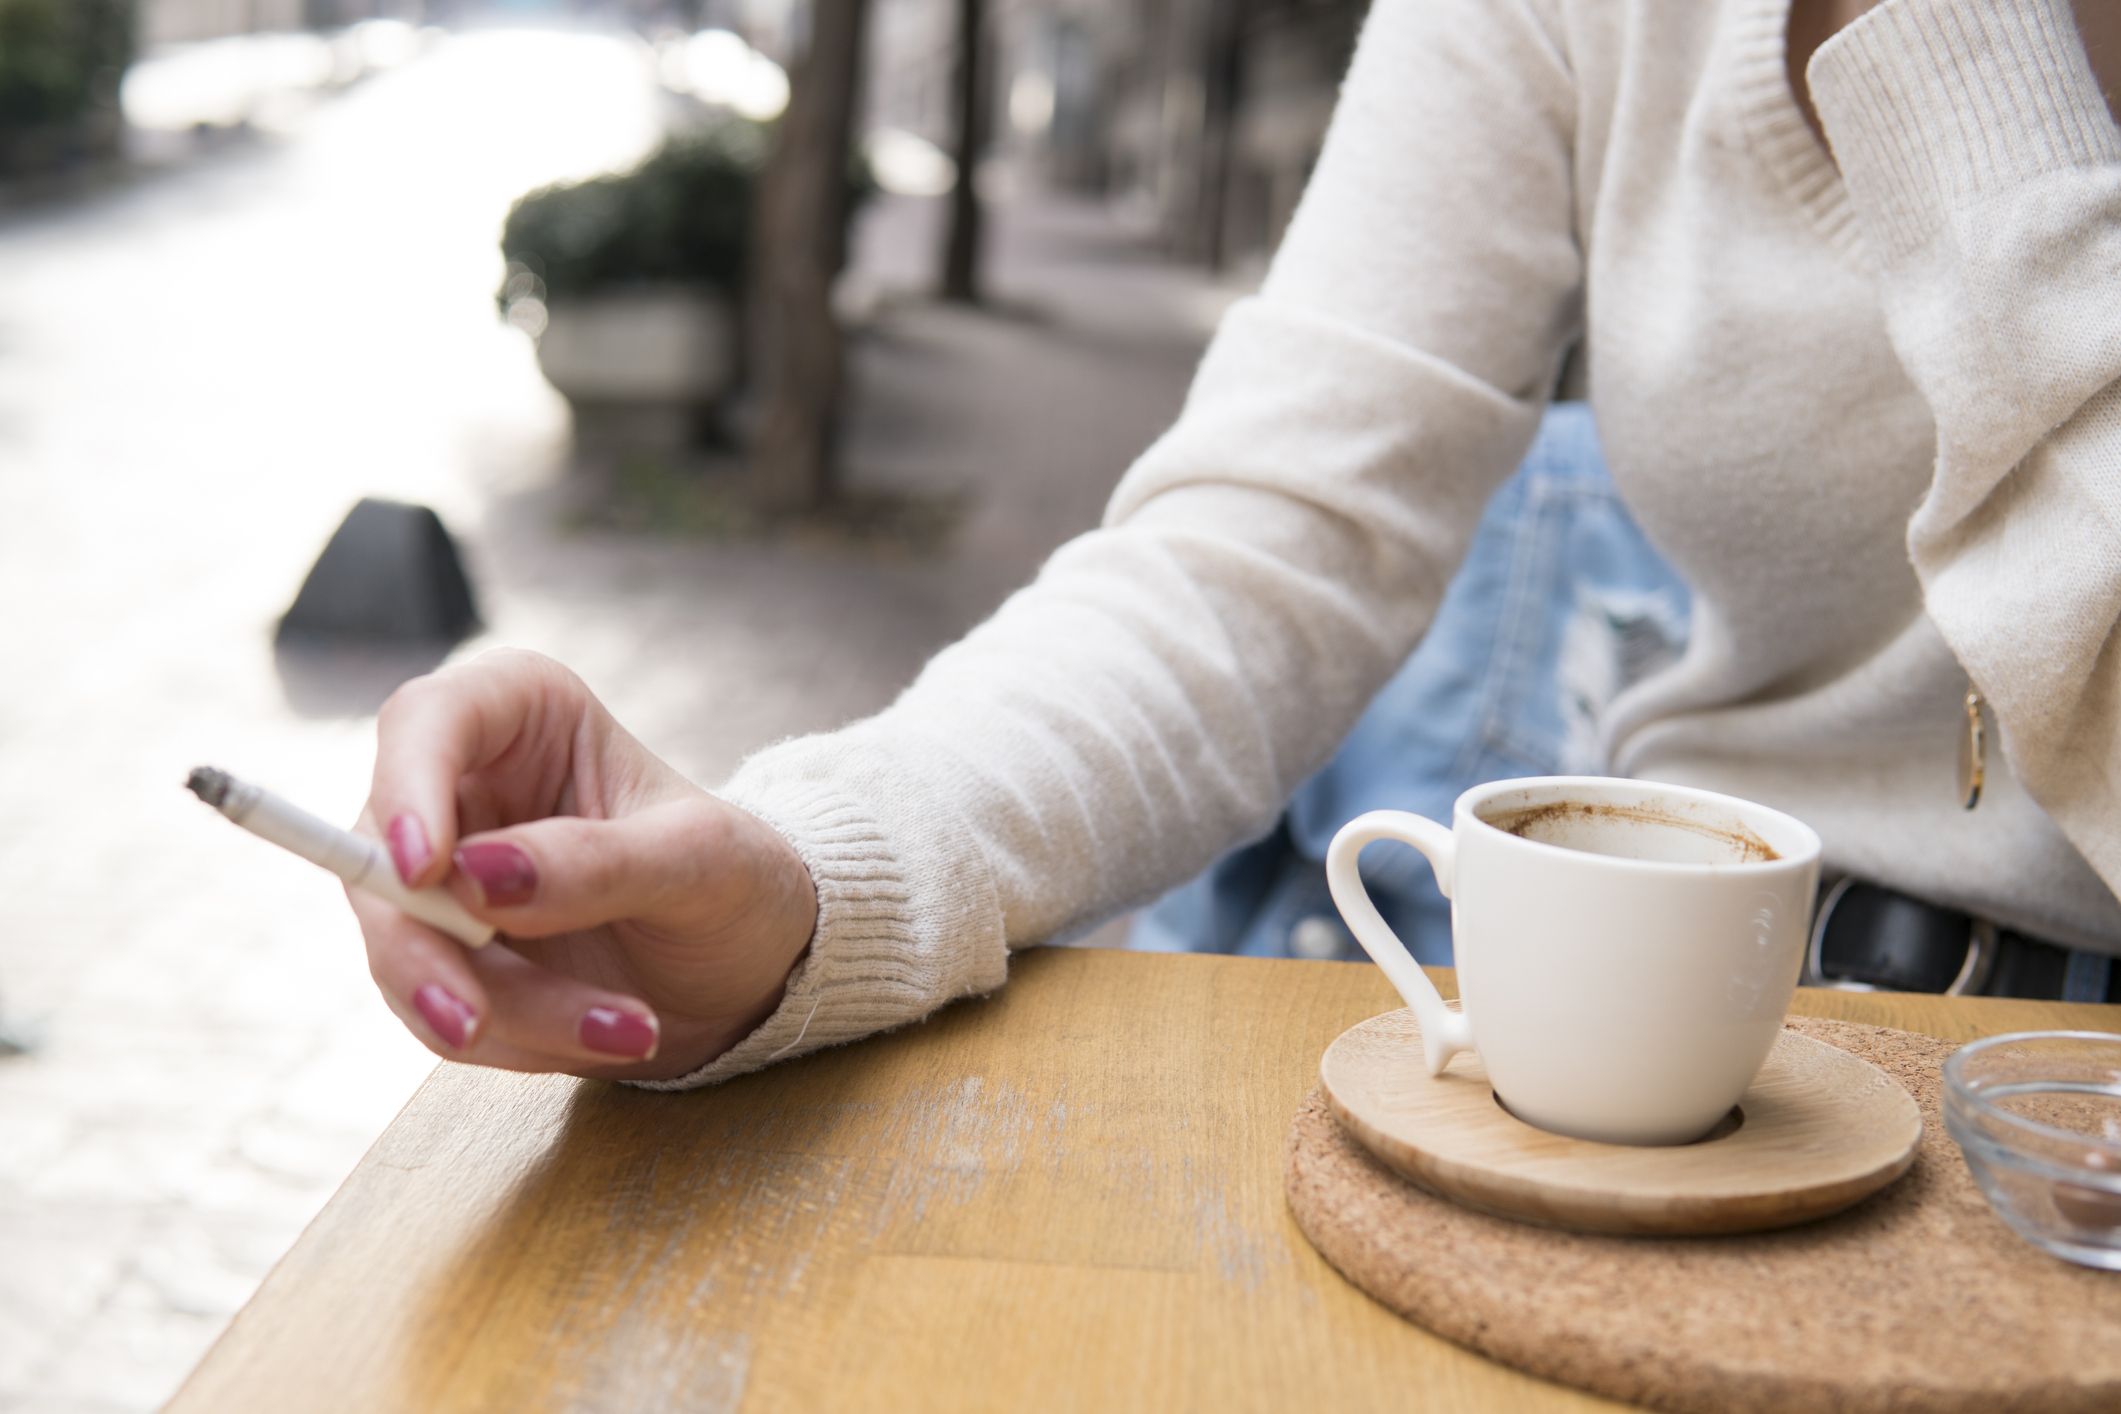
1626	951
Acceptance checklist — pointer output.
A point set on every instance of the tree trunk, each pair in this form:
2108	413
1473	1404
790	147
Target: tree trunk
1222	75
801	246
961	255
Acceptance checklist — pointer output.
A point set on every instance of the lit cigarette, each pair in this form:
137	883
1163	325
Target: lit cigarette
357	860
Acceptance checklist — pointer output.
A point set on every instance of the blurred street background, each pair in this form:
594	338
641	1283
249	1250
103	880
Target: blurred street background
250	273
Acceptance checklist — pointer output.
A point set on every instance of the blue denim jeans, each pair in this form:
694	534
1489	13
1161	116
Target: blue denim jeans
1560	603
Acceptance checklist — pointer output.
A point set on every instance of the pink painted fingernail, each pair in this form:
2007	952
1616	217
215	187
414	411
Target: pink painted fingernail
502	871
619	1033
447	1013
409	849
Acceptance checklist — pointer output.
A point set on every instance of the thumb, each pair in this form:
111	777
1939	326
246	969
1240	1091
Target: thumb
564	873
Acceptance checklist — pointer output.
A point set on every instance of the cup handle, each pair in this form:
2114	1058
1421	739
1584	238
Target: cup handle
1444	1033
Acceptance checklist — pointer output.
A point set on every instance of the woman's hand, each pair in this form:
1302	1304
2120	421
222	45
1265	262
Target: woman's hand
646	926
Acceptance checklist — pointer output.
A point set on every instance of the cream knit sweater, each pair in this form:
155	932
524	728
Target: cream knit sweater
1872	414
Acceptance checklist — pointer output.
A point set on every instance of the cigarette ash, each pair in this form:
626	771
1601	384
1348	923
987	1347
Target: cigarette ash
209	785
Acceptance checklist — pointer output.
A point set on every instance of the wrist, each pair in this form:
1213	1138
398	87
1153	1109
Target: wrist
1935	106
793	908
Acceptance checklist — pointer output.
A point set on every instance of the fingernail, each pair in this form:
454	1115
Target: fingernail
619	1033
502	871
450	1017
409	849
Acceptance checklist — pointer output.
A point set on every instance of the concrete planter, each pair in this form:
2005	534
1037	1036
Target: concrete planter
641	366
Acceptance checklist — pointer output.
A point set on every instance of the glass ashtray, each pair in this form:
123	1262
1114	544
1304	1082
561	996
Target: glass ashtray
2038	1116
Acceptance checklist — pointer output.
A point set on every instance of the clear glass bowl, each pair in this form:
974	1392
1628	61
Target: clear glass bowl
2038	1116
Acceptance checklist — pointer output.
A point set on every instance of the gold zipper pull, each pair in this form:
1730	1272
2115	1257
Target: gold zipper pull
1973	751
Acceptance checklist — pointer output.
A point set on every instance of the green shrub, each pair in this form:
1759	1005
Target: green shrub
61	59
683	215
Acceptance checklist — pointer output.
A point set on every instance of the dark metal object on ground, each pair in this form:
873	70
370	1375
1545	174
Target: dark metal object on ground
15	1040
390	574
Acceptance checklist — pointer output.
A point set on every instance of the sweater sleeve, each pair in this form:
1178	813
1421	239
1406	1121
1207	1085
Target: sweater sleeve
1168	679
1986	173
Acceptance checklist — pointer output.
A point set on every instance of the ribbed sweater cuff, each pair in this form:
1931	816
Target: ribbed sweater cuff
1932	104
877	958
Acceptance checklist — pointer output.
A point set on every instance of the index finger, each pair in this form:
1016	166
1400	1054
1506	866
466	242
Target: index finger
436	729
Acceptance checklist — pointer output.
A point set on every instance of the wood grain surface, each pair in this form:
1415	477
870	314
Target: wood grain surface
1817	1130
1068	1196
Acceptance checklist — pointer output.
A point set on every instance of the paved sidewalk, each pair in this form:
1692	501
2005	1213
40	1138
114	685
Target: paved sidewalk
197	376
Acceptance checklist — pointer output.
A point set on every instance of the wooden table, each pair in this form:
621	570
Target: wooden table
1065	1197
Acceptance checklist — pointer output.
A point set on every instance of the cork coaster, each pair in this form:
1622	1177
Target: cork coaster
1817	1130
1917	1298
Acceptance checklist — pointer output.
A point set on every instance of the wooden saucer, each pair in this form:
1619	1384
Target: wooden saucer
1819	1129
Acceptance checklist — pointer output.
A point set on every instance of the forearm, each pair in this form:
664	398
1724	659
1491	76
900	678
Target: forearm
1168	680
1151	699
1982	160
